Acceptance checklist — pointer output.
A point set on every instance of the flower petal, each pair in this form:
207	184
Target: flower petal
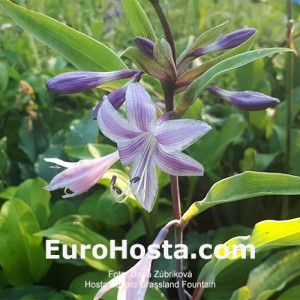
111	284
82	175
177	164
140	110
129	149
138	275
176	135
145	189
113	125
60	162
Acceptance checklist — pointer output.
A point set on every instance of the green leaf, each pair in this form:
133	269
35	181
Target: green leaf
75	233
3	78
244	186
82	131
252	77
82	51
254	161
89	151
241	294
102	206
33	140
291	294
273	274
138	229
34	292
230	133
33	193
22	256
266	235
61	209
222	67
138	21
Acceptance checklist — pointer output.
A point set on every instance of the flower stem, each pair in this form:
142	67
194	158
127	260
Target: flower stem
289	87
289	83
169	90
165	25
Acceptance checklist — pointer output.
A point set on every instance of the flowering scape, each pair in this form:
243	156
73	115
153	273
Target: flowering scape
148	137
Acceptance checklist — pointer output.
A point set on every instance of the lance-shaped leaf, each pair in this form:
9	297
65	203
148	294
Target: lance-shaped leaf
138	21
205	38
291	293
22	256
198	85
244	186
192	74
272	275
83	52
266	235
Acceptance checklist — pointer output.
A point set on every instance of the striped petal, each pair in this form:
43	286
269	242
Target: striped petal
113	125
177	163
177	135
129	149
136	285
81	176
145	189
140	110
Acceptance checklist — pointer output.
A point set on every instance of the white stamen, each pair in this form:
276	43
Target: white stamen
145	157
66	191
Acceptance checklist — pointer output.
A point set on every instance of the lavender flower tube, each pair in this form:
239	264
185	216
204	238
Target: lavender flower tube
76	82
247	100
131	285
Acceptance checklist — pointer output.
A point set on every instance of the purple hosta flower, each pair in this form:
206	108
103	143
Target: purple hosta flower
133	284
76	82
146	46
143	142
228	41
117	97
82	175
246	100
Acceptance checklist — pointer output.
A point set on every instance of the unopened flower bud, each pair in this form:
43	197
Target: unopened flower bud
76	82
146	46
247	100
228	41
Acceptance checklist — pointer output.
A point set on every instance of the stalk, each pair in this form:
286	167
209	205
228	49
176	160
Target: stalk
169	90
289	87
165	25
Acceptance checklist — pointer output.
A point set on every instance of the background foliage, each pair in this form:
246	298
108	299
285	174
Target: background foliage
35	124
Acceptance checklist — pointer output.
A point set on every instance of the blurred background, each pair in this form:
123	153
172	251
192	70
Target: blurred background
35	124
